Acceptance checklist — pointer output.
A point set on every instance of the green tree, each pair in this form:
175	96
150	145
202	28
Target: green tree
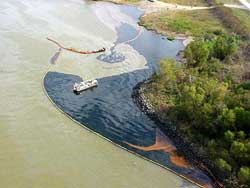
171	70
239	152
213	67
227	119
242	119
241	135
197	53
191	99
244	174
229	136
223	165
224	46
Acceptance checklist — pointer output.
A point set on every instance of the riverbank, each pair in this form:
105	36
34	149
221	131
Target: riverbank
190	150
205	108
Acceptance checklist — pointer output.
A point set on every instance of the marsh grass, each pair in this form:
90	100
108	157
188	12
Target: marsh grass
195	23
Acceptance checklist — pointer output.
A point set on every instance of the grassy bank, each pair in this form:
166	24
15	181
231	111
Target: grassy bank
185	23
243	16
198	22
234	19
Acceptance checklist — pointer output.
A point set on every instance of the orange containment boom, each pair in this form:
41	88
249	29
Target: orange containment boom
74	50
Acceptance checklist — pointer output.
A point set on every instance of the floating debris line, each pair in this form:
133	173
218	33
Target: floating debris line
74	50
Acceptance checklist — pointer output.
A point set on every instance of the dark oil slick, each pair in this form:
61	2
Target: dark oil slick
109	109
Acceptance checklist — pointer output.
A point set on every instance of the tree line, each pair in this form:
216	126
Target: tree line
208	96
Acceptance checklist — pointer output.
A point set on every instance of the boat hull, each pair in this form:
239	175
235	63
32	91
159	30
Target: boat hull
80	91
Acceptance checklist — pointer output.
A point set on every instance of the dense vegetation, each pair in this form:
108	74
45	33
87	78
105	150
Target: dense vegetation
208	96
